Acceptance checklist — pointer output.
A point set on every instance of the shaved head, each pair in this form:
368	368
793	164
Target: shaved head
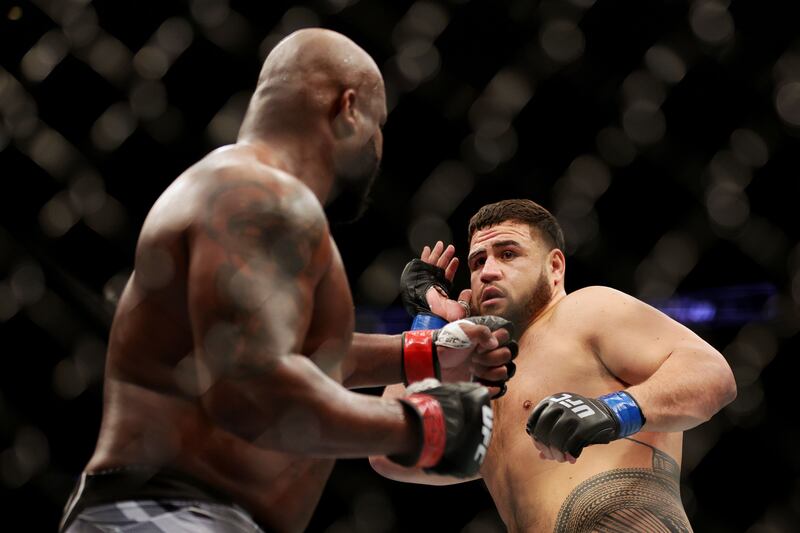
307	72
319	59
322	93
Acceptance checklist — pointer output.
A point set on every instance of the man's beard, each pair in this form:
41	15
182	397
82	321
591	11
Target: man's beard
350	195
542	293
525	313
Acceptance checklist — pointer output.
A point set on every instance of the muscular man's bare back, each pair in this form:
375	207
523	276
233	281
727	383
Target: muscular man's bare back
153	413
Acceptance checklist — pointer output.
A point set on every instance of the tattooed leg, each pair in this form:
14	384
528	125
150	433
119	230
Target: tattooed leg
627	500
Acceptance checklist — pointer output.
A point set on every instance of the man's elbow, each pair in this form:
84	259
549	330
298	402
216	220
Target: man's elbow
725	383
232	410
383	466
730	390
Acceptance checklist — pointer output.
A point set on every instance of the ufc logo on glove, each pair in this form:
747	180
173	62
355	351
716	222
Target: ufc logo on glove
578	407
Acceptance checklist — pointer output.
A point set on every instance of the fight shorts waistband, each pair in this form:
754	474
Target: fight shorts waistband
137	483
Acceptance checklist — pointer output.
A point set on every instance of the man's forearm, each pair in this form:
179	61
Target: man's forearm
373	360
296	408
689	387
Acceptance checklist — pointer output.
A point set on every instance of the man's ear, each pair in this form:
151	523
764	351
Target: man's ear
345	121
557	264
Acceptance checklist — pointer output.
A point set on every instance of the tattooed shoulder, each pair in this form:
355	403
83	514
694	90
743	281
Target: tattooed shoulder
265	239
282	221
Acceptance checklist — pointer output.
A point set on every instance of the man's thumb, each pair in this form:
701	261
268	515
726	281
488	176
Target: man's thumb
465	296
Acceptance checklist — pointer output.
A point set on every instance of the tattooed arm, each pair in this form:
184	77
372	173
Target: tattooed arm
257	255
678	379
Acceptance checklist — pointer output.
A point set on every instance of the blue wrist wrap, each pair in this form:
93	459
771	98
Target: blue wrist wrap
424	321
626	409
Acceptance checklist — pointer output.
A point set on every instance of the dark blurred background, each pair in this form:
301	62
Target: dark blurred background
663	135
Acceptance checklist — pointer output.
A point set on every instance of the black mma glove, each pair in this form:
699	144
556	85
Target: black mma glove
455	427
417	277
569	422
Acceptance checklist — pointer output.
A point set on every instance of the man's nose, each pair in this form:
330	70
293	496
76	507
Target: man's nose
491	270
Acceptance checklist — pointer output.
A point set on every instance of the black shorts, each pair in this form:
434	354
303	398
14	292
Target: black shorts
144	499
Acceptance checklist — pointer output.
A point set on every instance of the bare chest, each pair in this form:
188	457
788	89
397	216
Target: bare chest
548	363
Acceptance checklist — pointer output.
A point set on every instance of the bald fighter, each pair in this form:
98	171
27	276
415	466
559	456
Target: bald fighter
223	404
589	436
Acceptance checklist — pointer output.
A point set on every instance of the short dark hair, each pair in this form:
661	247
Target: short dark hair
519	210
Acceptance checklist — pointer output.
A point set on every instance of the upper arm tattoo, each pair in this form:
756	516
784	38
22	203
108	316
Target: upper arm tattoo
250	219
267	242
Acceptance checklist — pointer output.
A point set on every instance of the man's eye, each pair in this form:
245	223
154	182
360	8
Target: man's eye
509	255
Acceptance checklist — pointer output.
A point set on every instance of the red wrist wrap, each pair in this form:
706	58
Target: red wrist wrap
419	356
433	429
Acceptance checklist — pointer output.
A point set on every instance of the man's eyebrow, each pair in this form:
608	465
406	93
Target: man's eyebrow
509	242
498	244
475	252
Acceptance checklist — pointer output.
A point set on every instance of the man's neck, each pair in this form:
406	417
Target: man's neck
306	160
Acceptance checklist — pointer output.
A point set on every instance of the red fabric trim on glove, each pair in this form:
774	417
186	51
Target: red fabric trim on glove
434	433
418	355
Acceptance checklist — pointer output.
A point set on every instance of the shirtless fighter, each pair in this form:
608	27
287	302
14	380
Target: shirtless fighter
223	404
589	436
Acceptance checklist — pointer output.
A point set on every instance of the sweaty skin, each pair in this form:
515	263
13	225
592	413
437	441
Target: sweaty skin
591	342
553	358
235	331
166	338
226	345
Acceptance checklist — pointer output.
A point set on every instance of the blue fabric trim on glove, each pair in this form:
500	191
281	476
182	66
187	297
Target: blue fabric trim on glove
424	321
626	409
